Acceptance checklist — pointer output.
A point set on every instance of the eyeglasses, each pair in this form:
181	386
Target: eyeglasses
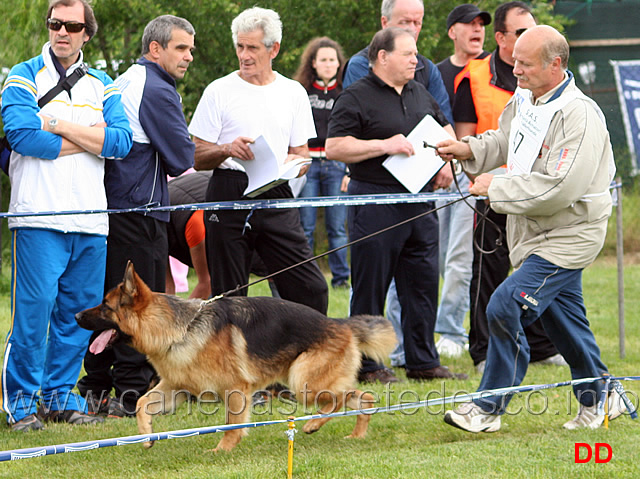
517	33
70	27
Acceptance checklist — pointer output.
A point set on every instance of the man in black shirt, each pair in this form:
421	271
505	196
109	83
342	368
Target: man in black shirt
388	104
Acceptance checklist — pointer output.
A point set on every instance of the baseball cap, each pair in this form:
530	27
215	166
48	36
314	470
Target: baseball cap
465	13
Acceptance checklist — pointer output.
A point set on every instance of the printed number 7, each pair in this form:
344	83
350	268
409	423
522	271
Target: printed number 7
517	141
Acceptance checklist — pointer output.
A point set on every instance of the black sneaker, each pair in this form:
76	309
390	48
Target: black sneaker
384	376
280	391
344	284
26	424
115	409
69	416
107	406
96	406
260	398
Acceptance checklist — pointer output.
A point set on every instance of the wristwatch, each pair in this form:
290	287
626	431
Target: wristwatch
52	124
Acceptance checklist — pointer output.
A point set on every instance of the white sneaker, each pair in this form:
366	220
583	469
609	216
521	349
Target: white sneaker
589	417
617	407
555	360
449	348
471	417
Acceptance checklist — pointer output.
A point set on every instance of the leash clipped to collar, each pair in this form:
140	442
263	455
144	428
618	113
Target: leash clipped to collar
204	302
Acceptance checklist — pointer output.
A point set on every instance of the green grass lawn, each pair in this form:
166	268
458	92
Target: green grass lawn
411	444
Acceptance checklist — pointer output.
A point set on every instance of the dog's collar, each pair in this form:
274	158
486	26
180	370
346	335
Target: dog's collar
210	300
205	302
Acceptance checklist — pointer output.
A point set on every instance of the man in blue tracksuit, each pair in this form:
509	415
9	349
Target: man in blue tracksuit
161	146
57	262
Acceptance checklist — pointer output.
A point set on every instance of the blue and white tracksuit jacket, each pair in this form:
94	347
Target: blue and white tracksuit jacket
58	262
69	182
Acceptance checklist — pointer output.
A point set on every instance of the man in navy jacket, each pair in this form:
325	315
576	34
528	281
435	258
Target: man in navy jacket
161	146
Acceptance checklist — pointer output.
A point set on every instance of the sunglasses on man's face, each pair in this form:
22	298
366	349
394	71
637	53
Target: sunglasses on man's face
517	32
70	27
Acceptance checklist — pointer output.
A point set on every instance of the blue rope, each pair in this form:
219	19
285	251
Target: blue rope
316	201
260	204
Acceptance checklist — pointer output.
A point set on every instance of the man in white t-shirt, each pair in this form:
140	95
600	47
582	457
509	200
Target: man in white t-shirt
232	113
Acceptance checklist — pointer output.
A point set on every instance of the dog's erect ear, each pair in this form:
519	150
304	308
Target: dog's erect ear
134	287
130	280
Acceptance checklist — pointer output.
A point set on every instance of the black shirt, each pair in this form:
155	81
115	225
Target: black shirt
449	71
463	107
372	110
322	100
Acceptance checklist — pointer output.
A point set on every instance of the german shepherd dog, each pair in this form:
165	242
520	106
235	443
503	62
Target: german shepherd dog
239	344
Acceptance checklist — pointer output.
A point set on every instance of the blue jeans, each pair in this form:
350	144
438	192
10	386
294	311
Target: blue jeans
394	313
539	289
456	260
324	179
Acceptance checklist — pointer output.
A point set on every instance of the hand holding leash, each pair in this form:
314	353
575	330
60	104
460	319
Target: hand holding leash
450	149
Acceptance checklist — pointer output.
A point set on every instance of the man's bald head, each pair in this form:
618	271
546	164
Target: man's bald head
540	59
552	44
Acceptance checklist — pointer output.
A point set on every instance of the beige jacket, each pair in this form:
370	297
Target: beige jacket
559	211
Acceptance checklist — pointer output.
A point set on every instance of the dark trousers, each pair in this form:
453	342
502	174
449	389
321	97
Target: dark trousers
275	234
539	289
143	241
489	271
408	253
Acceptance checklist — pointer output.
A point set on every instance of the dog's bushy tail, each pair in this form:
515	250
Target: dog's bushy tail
375	335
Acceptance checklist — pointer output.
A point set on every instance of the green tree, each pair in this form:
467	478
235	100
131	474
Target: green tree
117	44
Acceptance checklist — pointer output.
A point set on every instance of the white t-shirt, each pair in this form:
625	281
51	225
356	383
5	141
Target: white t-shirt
231	107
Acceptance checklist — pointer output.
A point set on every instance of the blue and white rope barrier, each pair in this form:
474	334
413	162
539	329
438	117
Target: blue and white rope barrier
318	201
263	204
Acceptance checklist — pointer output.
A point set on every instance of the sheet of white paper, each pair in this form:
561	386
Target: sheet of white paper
291	170
266	169
417	170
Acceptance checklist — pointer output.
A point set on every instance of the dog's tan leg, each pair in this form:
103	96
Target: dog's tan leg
359	400
237	404
157	401
331	403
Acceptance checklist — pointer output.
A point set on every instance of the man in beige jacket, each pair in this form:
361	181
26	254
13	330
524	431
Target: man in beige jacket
556	146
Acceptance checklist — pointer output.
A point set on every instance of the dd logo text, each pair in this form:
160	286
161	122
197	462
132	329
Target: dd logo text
587	452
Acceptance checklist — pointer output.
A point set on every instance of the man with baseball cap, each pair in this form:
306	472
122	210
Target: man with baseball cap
466	13
466	28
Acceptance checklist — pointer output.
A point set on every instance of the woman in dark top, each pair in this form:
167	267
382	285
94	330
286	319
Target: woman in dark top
320	72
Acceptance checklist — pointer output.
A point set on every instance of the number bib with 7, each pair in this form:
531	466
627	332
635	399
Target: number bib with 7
529	128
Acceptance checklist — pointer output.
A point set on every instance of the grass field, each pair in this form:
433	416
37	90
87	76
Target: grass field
413	444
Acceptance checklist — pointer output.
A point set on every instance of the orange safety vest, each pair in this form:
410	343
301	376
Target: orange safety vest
489	100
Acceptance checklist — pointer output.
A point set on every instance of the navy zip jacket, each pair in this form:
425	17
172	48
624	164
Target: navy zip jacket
161	143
